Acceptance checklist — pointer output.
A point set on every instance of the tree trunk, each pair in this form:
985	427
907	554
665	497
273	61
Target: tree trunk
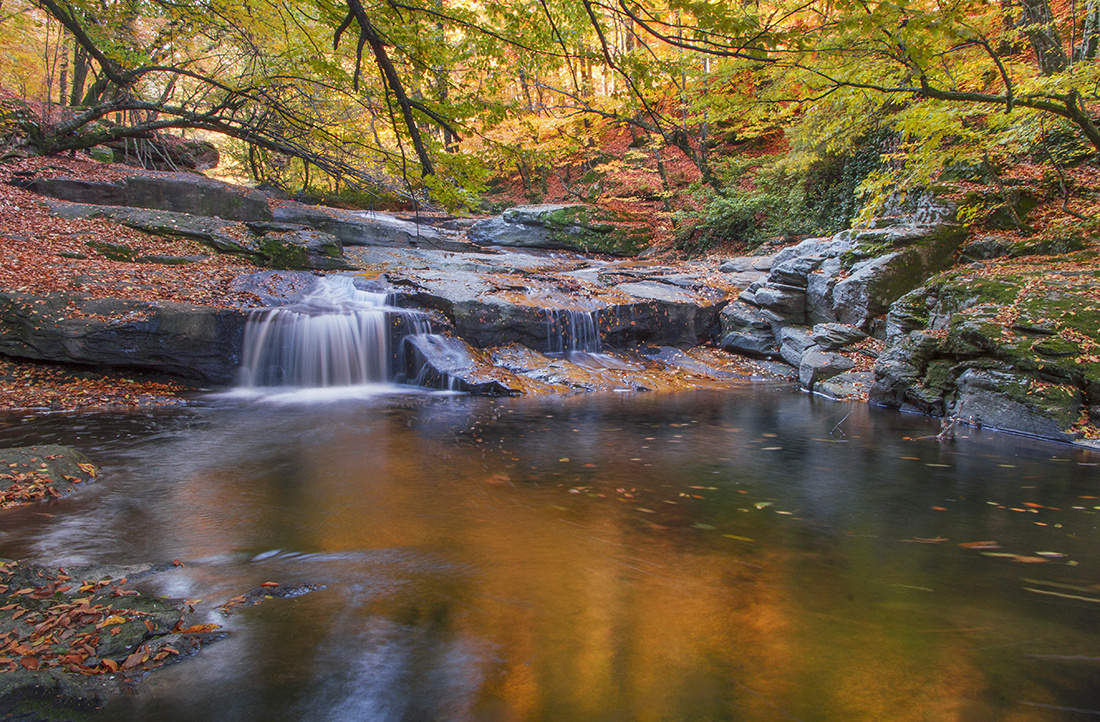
1037	25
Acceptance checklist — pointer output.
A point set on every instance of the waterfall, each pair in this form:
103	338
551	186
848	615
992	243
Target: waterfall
570	331
339	335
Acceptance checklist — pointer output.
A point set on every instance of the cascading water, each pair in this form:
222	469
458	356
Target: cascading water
572	331
337	336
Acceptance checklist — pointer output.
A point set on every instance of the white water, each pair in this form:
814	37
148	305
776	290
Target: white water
339	336
570	331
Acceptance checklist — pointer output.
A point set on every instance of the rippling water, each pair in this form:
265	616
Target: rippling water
758	554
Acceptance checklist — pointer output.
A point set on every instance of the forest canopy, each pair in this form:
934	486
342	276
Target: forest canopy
433	99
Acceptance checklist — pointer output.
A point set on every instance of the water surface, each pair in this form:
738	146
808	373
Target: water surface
757	554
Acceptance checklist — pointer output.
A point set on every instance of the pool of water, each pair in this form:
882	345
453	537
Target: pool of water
755	554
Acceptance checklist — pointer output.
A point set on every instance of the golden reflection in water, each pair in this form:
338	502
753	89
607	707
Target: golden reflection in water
595	608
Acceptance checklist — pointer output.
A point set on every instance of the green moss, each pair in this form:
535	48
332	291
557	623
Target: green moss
282	255
594	230
113	251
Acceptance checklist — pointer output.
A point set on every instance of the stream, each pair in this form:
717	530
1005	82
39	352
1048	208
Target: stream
756	554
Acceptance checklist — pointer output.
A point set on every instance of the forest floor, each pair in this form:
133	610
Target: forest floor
43	254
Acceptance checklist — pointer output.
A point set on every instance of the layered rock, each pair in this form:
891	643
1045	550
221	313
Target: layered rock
265	243
1011	347
176	192
186	340
568	227
368	229
826	294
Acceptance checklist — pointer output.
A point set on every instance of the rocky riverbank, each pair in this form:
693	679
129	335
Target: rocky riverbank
883	313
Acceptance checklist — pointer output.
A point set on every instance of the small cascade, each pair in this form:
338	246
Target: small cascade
571	331
337	336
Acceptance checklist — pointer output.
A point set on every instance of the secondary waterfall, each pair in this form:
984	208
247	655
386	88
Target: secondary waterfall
569	331
337	336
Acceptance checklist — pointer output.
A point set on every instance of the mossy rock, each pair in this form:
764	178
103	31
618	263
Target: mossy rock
570	227
113	251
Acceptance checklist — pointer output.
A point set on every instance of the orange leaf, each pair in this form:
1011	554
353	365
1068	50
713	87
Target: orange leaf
200	628
270	584
30	663
110	664
981	545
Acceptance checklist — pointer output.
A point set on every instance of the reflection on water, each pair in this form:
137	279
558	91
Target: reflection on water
753	555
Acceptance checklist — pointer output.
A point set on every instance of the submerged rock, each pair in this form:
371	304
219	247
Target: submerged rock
36	473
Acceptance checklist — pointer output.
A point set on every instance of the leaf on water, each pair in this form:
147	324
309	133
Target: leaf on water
1063	596
980	545
200	628
1050	555
926	540
647	511
707	527
772	448
564	459
939	508
738	538
270	584
763	504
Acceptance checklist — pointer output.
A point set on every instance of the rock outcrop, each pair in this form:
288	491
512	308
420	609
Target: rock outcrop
196	342
825	295
1011	347
568	227
369	229
178	192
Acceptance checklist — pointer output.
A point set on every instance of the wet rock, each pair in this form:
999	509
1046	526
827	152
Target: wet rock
833	336
1011	401
35	473
848	386
816	365
443	362
264	592
275	288
177	192
187	340
368	229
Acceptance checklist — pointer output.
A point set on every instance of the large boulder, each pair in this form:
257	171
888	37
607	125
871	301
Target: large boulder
274	245
875	283
178	192
1008	346
368	229
443	362
568	227
187	340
